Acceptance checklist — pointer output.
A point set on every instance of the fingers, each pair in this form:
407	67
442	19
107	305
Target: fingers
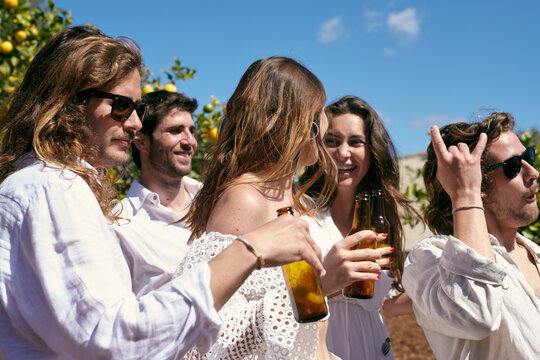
284	240
365	270
352	240
386	261
480	146
438	144
314	258
386	250
440	148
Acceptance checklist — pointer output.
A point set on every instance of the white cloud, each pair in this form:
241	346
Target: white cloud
406	24
389	51
374	19
370	14
372	25
427	121
331	30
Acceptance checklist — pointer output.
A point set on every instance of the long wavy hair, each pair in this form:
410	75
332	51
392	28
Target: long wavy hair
268	123
43	115
438	214
383	173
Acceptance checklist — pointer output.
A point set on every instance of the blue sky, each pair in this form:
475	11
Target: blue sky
416	62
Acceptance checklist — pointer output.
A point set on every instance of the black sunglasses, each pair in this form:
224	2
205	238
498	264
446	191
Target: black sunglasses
122	106
512	166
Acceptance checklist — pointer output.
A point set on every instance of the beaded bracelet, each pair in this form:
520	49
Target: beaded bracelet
465	207
253	250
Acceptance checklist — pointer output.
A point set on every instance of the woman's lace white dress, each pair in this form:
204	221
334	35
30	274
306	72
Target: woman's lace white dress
258	321
356	328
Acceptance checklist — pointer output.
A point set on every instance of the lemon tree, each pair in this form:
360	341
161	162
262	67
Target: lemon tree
25	27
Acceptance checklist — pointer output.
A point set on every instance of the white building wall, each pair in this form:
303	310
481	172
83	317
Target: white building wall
408	166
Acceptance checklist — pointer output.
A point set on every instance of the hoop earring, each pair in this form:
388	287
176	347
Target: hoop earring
315	129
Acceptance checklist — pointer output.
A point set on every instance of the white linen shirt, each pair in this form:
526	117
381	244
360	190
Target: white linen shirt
65	288
469	306
152	239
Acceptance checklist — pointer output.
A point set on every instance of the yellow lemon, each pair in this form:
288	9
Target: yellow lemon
213	133
6	47
170	87
147	89
21	35
11	4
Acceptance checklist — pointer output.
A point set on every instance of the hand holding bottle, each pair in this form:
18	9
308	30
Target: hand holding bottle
345	265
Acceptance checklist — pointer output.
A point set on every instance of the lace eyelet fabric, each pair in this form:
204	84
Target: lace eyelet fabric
258	321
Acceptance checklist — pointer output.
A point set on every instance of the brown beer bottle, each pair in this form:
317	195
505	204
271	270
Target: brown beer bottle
379	223
307	298
362	219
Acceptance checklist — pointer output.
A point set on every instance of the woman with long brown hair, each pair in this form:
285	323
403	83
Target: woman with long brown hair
366	161
274	125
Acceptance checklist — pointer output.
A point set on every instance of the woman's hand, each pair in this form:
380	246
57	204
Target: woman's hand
284	240
344	266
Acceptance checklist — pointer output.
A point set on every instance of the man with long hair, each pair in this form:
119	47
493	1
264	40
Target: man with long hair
65	287
151	233
475	286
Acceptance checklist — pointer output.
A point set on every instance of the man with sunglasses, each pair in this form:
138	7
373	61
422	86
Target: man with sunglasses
150	230
65	286
475	285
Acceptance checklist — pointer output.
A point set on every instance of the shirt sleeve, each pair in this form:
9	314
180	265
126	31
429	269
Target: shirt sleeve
67	287
454	289
258	319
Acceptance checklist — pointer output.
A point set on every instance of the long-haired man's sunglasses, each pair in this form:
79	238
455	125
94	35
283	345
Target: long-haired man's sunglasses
122	106
512	166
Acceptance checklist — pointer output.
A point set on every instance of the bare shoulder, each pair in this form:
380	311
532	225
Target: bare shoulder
240	209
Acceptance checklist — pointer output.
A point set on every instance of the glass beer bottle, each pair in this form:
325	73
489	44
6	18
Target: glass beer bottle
307	298
379	223
362	219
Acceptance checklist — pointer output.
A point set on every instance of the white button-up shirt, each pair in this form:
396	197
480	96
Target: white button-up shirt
151	236
65	287
469	306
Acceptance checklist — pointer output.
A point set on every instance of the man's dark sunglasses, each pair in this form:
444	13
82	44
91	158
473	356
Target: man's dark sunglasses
512	166
122	106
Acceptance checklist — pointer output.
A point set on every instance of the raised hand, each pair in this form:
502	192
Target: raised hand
458	170
460	174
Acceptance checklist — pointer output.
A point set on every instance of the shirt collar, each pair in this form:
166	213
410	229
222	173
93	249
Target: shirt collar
30	158
529	245
138	194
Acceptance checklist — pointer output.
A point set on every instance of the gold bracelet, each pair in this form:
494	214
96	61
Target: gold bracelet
251	248
465	207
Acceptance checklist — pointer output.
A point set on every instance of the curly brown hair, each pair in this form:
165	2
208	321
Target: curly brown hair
268	123
438	214
43	114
